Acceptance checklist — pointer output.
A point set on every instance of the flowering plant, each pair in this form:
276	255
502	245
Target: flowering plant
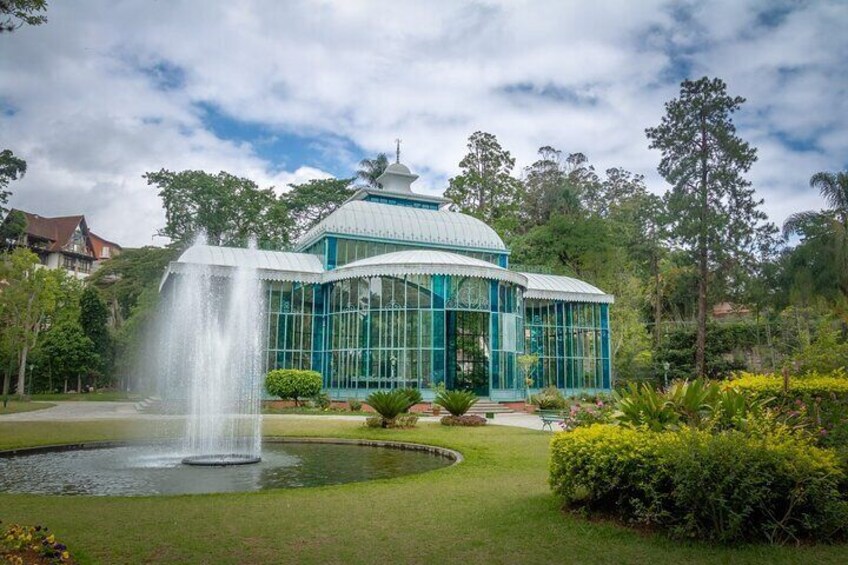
32	544
587	414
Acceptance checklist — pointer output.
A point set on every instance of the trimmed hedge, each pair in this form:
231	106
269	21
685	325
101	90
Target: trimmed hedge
293	383
725	487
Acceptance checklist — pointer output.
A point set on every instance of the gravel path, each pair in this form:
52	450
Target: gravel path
75	411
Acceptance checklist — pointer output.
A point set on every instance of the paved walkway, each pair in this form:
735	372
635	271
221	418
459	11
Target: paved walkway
75	411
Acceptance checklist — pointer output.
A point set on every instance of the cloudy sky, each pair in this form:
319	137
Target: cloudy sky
286	91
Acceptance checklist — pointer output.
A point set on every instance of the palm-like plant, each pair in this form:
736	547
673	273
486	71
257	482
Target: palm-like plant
370	169
457	402
829	228
389	404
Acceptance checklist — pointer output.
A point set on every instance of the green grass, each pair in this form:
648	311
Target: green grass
495	507
314	411
112	396
15	406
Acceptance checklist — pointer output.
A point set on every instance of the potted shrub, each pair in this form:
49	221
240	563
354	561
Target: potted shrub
293	384
458	402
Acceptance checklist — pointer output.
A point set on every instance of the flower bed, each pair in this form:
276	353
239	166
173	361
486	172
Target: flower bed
32	544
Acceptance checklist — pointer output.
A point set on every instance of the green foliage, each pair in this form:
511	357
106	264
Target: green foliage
826	353
293	383
550	398
69	355
93	319
413	397
370	169
11	168
457	402
322	401
354	404
12	228
310	202
727	487
724	341
485	188
17	13
713	211
228	209
642	406
389	404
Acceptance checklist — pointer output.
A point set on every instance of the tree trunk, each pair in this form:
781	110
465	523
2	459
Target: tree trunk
7	377
22	372
703	266
66	385
79	383
657	302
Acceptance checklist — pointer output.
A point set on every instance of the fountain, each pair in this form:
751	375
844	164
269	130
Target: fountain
210	361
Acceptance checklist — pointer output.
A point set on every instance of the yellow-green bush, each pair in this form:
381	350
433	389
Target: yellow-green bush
819	401
727	487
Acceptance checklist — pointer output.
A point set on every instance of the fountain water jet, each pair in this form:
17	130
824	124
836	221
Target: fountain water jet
211	362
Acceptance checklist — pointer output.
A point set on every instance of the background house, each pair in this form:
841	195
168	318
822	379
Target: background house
63	242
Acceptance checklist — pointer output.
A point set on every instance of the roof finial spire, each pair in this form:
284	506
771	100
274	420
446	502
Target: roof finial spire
397	151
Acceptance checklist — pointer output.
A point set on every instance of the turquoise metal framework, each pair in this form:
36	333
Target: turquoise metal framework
445	310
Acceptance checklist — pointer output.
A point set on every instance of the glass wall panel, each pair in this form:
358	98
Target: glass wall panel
569	340
350	250
290	325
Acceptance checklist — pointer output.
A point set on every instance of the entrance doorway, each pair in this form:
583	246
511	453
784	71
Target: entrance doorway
468	351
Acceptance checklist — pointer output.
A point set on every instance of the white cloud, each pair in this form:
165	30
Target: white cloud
90	121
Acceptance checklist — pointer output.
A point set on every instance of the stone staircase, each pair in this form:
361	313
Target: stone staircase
149	404
487	405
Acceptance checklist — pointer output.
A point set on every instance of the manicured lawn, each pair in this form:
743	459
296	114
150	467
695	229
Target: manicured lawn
314	411
112	396
14	406
493	508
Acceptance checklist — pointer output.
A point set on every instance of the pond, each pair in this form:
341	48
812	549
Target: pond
156	469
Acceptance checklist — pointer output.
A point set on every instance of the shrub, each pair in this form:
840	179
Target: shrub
818	402
579	415
354	404
726	487
642	406
413	397
293	383
549	399
457	402
400	421
388	404
322	400
466	420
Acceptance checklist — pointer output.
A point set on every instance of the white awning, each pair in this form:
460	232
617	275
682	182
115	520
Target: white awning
423	262
554	287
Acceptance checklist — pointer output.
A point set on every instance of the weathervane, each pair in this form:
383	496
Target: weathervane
397	151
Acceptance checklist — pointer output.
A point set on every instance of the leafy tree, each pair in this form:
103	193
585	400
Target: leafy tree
371	169
311	202
121	280
228	209
552	186
16	13
94	319
11	168
293	383
485	189
712	207
28	298
582	244
824	234
70	353
12	228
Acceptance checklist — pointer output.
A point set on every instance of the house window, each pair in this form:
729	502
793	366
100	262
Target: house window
68	262
105	252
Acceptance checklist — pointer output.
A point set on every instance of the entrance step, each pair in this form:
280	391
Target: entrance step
485	405
149	404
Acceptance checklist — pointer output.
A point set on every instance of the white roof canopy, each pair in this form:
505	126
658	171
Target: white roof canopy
405	224
554	287
423	262
307	268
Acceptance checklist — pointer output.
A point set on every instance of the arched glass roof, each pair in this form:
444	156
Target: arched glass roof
271	265
423	262
554	287
406	224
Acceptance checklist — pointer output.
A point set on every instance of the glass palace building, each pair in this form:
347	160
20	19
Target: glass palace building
394	289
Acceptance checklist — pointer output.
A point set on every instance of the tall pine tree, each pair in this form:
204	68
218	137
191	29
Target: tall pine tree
714	213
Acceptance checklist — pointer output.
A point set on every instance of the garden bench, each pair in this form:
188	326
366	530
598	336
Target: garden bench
550	417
